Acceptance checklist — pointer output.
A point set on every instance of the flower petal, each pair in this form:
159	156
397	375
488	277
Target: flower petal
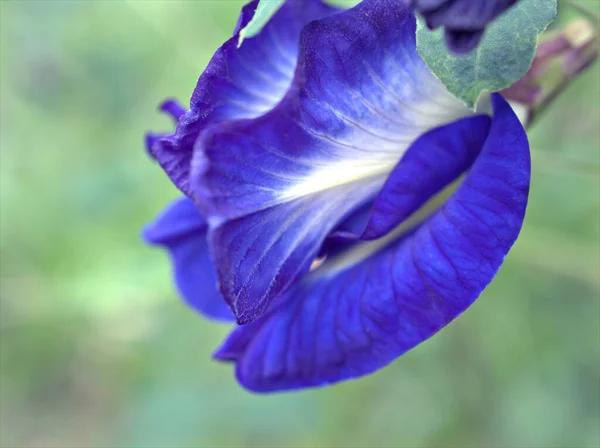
434	161
360	97
464	20
181	229
355	314
463	41
462	14
240	82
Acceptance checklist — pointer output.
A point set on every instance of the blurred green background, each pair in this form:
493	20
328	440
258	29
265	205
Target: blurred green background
96	349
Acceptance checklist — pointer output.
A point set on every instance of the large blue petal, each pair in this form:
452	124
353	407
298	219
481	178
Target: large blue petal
360	97
238	83
181	230
357	313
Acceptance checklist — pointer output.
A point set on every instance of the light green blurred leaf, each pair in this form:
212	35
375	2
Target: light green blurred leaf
265	10
97	351
503	57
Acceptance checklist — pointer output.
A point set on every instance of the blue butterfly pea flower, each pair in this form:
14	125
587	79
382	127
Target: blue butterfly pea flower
306	215
464	21
238	83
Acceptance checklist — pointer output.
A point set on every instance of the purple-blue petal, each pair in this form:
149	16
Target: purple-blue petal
462	14
462	41
181	230
360	311
238	83
360	97
464	21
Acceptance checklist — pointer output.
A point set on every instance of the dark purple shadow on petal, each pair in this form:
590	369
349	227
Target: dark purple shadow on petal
181	230
345	322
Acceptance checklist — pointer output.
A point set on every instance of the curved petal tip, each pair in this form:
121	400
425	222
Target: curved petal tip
359	312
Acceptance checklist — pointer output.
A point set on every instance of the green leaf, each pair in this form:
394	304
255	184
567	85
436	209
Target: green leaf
264	11
503	57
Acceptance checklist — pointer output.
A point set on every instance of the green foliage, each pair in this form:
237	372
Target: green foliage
265	10
503	57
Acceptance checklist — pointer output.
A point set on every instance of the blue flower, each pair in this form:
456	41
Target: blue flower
308	210
238	83
464	21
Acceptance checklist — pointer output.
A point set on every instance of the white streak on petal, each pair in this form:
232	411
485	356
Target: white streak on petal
364	250
372	157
